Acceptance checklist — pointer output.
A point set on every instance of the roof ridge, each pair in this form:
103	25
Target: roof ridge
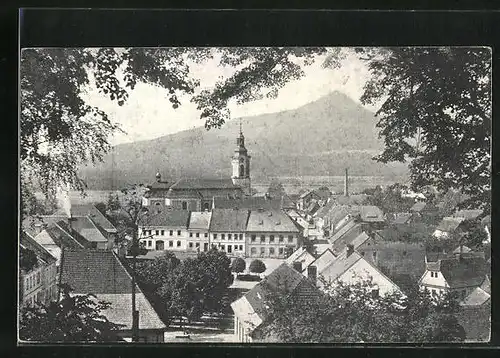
71	236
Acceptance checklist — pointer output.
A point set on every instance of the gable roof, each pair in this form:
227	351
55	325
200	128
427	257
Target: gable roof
96	216
353	199
323	261
354	240
341	264
84	226
342	231
476	298
270	221
401	218
232	220
300	255
166	218
461	272
100	272
200	220
284	280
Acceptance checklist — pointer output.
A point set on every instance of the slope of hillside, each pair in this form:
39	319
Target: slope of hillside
320	138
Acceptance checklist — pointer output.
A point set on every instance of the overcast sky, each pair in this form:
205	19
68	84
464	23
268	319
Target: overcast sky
148	114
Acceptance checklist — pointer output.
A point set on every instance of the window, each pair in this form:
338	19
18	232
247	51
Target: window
157	232
241	236
436	274
163	233
178	244
178	233
281	238
281	251
241	248
190	245
262	250
206	234
184	205
190	234
253	238
197	234
374	254
93	245
271	238
215	236
271	251
223	236
223	247
253	250
229	236
197	244
26	283
38	278
170	243
235	247
290	238
262	238
376	292
144	231
362	253
150	243
171	233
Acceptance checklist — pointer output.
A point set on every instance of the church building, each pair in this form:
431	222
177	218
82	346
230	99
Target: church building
197	194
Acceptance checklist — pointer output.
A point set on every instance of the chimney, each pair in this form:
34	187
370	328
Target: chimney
64	200
297	265
312	273
346	183
350	249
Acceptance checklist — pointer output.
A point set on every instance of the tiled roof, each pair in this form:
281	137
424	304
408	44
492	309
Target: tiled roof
251	203
100	273
466	271
270	221
94	271
355	199
449	224
325	209
200	220
230	220
96	216
166	218
120	311
162	185
402	218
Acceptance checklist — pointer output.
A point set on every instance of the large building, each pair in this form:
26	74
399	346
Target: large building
198	194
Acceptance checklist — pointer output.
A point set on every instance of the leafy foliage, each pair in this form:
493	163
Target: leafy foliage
191	287
75	318
353	313
436	113
390	199
238	265
257	266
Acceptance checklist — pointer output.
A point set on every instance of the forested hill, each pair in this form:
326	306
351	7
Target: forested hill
320	138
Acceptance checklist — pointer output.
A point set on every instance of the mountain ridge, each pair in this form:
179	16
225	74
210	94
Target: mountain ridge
319	138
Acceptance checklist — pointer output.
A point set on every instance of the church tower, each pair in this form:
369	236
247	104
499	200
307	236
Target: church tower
241	165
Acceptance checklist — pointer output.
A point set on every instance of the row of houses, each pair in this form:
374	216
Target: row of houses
304	273
238	232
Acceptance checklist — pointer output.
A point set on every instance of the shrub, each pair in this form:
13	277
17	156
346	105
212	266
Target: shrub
257	266
238	265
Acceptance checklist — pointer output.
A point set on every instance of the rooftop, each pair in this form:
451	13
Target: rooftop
461	272
251	203
449	224
166	218
200	220
229	220
270	221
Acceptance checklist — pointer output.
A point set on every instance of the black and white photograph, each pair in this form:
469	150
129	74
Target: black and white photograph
250	195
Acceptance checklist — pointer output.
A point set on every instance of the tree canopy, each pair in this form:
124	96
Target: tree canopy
434	104
353	313
75	318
